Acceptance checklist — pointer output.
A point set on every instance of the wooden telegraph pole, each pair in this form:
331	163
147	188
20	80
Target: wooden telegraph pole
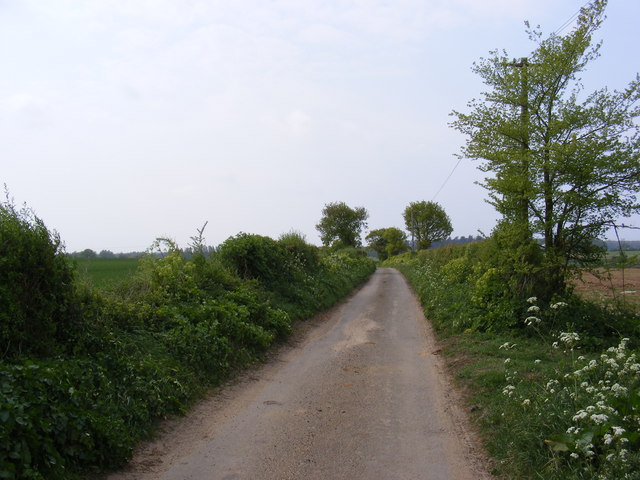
523	207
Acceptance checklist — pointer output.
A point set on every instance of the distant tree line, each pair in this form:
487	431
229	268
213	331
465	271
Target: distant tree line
88	253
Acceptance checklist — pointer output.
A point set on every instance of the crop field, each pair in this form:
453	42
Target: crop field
102	272
610	284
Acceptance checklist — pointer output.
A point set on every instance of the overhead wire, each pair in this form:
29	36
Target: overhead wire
566	24
446	179
562	27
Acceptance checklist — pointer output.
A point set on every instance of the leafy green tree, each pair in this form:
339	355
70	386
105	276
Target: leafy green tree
342	225
376	242
387	242
427	222
563	165
396	241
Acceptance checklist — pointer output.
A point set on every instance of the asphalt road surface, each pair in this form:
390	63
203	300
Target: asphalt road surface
360	393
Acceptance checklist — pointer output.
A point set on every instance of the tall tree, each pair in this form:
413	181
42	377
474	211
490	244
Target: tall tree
341	225
427	222
563	165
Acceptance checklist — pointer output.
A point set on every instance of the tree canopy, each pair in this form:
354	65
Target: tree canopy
427	222
563	165
387	242
341	225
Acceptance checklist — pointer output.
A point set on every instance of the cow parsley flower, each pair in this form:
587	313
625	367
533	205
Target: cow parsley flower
531	320
617	431
580	415
569	338
599	418
557	305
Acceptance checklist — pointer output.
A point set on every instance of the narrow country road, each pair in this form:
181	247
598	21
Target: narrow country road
361	395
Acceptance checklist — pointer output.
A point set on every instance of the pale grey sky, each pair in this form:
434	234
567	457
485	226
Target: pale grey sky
124	120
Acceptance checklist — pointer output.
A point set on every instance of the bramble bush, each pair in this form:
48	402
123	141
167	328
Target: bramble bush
85	372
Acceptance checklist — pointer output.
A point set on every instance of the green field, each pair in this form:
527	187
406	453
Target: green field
102	272
631	258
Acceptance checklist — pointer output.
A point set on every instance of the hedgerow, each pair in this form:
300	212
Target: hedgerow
555	385
84	373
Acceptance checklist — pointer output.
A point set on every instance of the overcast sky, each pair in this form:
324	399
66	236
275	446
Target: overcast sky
125	120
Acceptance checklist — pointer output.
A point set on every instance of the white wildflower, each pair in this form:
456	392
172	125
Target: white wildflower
531	320
533	308
618	390
599	418
532	299
569	338
582	414
557	305
617	431
508	390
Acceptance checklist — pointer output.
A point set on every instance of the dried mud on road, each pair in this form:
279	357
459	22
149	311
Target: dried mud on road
358	392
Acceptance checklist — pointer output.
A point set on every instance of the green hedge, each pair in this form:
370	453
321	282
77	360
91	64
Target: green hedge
555	386
84	381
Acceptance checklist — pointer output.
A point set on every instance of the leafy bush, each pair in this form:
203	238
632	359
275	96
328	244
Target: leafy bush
307	256
465	287
37	303
255	257
65	416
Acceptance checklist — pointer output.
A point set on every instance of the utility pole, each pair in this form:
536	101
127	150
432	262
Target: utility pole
523	207
413	229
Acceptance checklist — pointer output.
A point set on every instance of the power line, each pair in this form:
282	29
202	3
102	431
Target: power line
560	29
446	180
567	23
571	19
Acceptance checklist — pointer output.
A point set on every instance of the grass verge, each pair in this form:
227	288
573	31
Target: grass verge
555	394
